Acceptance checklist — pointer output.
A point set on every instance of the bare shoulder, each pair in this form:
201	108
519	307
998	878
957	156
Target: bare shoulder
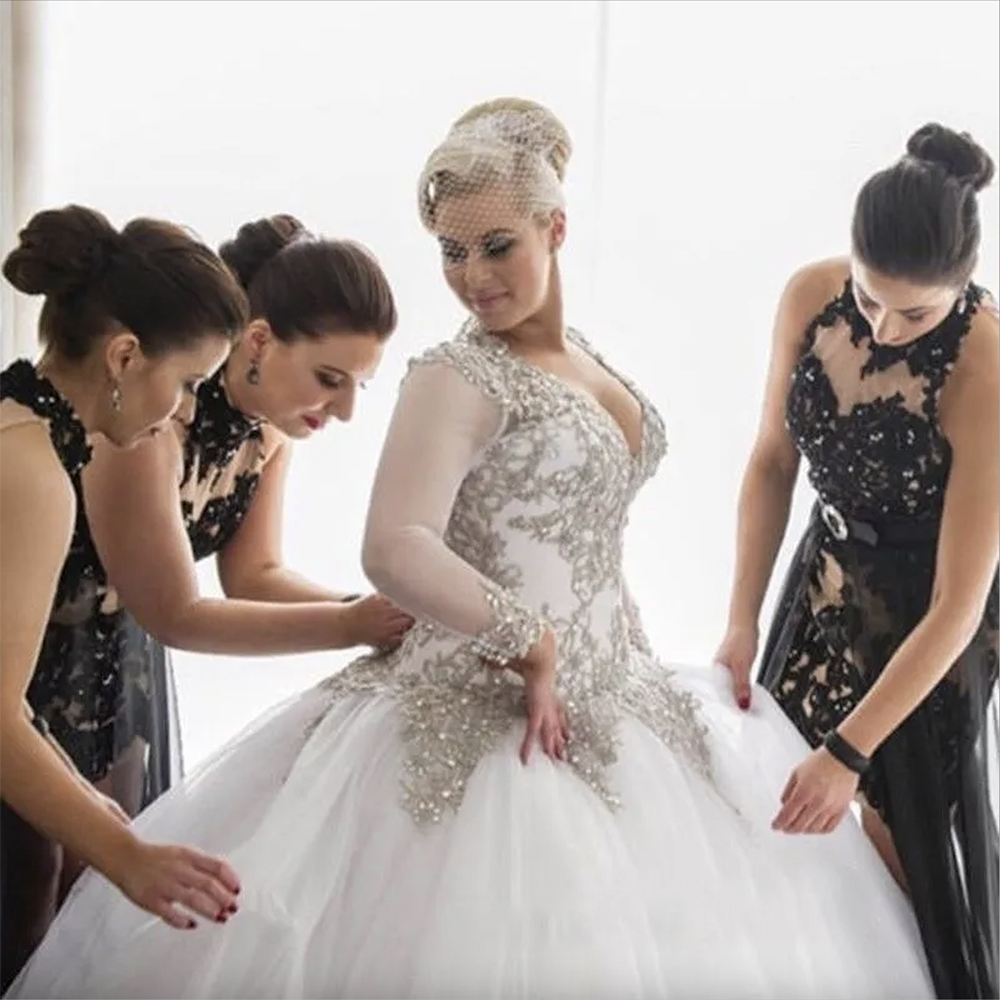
988	308
979	355
806	294
814	285
34	486
973	390
14	414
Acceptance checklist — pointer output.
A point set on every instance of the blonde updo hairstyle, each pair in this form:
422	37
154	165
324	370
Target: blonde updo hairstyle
507	142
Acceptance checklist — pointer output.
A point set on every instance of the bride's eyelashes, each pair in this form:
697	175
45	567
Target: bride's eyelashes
498	247
493	247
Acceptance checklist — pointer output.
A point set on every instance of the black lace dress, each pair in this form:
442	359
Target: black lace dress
865	417
30	863
103	687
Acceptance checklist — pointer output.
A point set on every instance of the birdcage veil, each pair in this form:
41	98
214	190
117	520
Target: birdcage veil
510	152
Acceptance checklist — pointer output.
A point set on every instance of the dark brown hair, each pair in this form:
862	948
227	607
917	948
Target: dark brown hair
305	286
153	278
919	219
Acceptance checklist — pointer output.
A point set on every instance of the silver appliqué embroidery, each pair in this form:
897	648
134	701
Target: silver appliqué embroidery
454	708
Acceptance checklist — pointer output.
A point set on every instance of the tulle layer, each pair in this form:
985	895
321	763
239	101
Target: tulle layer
534	888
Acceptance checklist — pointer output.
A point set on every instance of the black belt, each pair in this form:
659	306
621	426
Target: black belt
895	531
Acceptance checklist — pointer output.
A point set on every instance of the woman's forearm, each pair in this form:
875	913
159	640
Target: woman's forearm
765	502
255	628
918	665
279	585
42	786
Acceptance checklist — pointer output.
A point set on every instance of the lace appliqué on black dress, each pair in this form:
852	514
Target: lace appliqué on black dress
865	417
102	683
22	383
213	440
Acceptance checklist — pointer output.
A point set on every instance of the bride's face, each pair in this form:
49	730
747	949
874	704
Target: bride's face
497	259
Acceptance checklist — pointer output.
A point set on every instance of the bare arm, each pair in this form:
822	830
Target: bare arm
37	507
769	480
251	566
967	549
134	510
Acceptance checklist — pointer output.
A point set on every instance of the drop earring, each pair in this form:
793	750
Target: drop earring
116	397
253	372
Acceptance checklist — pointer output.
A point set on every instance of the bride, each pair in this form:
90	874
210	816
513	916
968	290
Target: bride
398	832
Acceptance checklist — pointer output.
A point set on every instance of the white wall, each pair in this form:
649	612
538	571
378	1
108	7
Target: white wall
20	188
718	146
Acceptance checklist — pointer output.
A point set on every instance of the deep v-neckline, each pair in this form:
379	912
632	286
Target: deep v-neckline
585	395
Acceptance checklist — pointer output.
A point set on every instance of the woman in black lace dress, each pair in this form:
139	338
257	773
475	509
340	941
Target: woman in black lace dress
212	484
883	650
132	321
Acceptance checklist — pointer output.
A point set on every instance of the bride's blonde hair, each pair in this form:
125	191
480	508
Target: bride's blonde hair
506	142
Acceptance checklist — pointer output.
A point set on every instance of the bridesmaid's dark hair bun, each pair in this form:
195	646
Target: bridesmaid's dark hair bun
956	152
258	242
153	278
61	251
308	286
919	219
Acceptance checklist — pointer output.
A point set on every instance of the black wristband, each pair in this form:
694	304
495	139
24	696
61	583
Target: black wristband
852	758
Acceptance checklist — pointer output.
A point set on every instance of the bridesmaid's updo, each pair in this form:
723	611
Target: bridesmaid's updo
305	286
919	218
152	278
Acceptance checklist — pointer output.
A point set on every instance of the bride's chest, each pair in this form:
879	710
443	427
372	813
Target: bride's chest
563	454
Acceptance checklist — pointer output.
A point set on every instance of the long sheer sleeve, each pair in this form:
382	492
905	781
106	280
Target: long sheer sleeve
440	427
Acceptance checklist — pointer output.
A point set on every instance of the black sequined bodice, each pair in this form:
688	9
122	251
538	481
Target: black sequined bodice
865	416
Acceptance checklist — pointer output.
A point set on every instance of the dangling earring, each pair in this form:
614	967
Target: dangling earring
253	372
116	397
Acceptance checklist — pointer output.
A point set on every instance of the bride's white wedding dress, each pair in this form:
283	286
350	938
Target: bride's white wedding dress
390	842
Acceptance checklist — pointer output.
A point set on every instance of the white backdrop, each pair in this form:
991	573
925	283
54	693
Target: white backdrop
718	146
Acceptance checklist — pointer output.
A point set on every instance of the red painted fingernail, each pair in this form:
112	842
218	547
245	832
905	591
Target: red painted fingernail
233	908
191	925
743	701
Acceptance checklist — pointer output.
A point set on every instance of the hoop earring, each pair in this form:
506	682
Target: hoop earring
116	397
253	373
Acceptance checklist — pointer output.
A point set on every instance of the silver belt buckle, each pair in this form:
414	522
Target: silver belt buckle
835	522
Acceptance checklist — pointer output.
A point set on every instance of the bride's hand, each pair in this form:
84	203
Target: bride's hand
546	718
737	654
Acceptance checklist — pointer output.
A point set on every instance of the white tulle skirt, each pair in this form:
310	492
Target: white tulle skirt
534	888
